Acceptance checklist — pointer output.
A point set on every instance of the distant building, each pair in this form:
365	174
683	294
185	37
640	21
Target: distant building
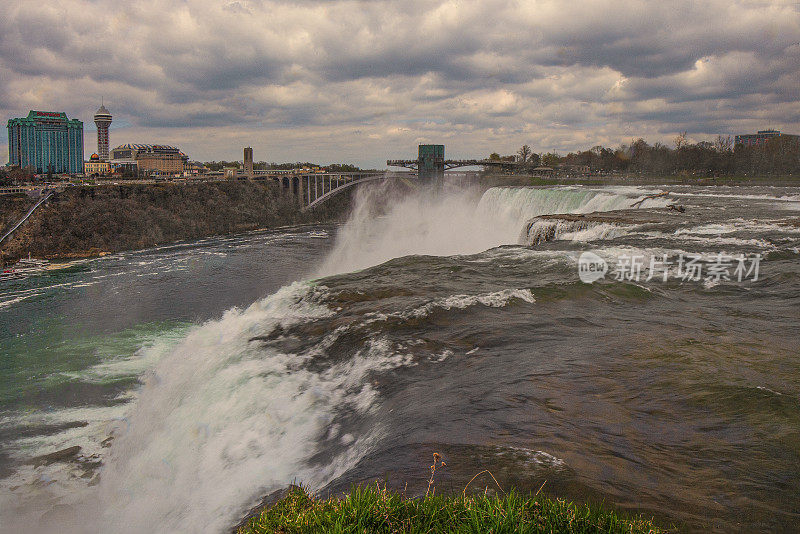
46	141
248	162
431	162
95	166
150	159
194	168
102	120
761	138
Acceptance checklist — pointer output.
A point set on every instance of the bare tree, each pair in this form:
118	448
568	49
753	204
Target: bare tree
723	144
680	141
524	153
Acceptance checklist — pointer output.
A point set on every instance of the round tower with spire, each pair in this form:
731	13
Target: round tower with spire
103	120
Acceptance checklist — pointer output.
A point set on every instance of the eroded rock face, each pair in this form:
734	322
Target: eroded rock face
544	228
630	216
88	221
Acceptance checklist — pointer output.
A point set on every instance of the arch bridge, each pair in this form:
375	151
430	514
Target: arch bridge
314	188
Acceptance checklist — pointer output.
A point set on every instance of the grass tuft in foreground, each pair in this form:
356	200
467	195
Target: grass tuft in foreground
372	509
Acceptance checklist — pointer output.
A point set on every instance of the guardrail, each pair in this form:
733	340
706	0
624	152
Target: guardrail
16	189
28	214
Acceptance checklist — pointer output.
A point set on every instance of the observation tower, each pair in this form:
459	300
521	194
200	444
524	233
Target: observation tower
103	120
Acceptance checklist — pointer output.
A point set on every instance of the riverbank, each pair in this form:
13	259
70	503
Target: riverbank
373	509
84	222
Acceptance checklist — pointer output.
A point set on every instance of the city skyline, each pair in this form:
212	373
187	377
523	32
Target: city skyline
363	82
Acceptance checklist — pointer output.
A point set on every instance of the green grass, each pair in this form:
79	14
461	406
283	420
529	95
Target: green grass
372	509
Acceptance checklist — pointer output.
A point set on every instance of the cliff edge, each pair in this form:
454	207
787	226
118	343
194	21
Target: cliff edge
89	221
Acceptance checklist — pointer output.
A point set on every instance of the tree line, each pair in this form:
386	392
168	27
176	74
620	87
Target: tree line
263	165
778	156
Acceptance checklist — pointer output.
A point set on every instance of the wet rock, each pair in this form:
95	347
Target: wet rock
631	216
70	454
273	335
543	228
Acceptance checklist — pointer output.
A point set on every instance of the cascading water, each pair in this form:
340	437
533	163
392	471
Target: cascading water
224	418
539	231
457	222
430	331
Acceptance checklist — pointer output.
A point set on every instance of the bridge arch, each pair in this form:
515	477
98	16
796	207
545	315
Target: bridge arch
346	185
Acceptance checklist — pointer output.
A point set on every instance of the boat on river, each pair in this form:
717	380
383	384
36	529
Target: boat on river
24	267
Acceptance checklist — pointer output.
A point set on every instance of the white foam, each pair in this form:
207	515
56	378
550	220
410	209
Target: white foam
576	231
220	422
153	347
708	229
496	299
460	222
100	423
596	232
535	458
783	198
12	301
728	241
740	225
25	294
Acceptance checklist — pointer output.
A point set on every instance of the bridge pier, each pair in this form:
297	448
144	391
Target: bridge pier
300	190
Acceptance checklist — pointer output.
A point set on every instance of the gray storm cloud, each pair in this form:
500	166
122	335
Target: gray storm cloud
365	80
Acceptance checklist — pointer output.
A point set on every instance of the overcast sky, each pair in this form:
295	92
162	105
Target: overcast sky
365	80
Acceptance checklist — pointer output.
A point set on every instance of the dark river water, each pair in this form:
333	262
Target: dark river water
201	377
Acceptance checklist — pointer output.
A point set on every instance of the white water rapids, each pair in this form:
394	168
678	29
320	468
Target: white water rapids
219	423
458	222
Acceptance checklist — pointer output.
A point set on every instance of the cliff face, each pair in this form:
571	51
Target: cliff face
86	221
12	208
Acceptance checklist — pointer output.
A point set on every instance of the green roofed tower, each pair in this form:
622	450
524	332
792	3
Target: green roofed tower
46	141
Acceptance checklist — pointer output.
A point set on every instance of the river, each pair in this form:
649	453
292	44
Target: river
200	377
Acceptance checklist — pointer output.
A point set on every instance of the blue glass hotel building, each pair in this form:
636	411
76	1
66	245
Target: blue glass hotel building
46	141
